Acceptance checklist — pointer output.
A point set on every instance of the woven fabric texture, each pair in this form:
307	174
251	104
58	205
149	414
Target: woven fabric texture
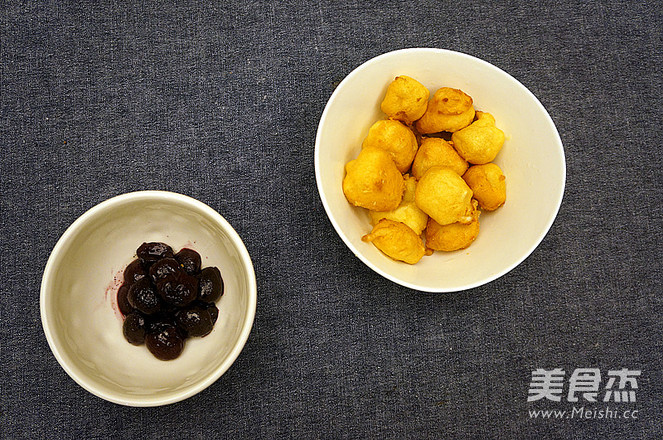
221	100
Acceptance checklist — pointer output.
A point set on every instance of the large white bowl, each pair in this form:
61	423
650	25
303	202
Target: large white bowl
79	311
532	160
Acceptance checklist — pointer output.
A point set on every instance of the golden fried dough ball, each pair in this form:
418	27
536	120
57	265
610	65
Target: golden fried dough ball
444	196
406	99
397	240
454	236
407	212
396	139
372	181
481	141
488	185
449	110
436	151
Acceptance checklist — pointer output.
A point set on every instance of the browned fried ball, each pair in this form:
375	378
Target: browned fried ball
448	110
444	196
396	139
481	141
454	236
406	99
397	240
488	184
407	212
373	181
437	151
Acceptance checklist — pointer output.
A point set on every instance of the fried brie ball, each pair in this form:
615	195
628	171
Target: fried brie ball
407	212
488	185
373	181
449	110
396	139
454	236
481	141
437	151
397	240
406	99
444	196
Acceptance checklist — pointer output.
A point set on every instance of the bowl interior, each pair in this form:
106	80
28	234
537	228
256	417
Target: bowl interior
532	160
79	307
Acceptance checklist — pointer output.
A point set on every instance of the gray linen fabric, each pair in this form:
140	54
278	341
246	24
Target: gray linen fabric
220	101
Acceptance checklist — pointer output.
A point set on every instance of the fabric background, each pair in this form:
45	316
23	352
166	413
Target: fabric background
221	101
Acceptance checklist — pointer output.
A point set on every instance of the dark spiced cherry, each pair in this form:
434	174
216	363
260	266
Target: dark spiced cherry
161	320
167	298
195	319
143	297
164	267
134	328
153	251
166	343
134	272
190	260
210	284
122	301
213	311
178	289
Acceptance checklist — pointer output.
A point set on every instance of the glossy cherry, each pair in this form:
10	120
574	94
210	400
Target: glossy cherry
195	319
210	284
134	328
142	296
178	289
164	267
153	251
190	260
134	272
122	301
166	343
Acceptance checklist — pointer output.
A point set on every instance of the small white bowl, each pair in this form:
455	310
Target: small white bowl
532	160
78	302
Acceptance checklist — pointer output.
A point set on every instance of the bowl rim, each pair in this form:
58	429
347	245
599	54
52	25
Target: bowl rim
249	317
318	177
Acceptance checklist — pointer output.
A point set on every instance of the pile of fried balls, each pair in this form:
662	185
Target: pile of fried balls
424	172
